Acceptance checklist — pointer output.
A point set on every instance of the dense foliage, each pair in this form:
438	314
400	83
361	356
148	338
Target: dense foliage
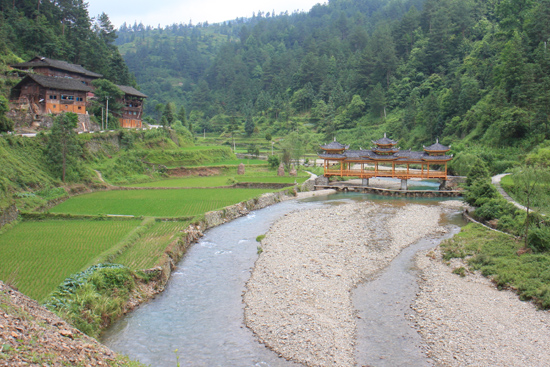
476	70
62	30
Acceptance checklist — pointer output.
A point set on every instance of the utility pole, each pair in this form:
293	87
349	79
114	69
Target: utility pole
107	116
102	116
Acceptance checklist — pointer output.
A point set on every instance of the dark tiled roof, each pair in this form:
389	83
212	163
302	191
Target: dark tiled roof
131	91
380	157
385	141
334	145
56	64
385	150
437	147
57	83
332	156
437	157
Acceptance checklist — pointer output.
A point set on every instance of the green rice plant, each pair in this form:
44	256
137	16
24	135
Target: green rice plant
192	181
36	256
147	251
222	180
156	203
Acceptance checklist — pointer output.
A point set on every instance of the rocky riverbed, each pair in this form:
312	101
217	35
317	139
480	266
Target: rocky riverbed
468	322
298	299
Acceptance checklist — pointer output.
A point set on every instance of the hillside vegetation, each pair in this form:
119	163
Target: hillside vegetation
472	71
28	177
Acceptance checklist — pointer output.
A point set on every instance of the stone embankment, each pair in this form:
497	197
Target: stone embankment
8	215
298	299
178	248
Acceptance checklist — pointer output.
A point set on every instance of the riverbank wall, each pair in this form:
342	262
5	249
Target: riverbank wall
177	249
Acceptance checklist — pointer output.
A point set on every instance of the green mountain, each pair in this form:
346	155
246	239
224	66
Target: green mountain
60	30
475	71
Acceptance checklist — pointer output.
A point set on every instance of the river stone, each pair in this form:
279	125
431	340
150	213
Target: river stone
281	170
240	170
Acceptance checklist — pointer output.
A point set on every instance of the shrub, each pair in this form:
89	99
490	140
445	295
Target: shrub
273	162
539	238
479	191
495	208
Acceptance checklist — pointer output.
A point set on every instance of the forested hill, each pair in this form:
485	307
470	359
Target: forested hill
60	30
477	70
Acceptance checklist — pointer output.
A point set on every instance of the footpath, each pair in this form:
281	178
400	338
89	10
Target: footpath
495	180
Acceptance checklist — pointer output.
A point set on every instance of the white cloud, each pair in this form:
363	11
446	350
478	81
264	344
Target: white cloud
175	11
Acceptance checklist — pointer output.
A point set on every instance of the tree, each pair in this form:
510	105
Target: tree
169	113
63	148
5	123
249	126
107	91
182	117
530	183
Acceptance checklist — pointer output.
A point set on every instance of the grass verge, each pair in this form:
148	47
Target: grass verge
495	255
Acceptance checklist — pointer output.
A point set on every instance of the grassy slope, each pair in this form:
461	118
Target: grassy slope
24	167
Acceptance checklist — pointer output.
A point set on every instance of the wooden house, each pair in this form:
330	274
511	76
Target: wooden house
47	94
57	68
132	109
55	86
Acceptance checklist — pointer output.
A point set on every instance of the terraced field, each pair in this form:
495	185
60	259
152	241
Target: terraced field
156	203
36	256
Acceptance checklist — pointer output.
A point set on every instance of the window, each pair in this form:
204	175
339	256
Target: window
53	96
79	107
67	98
79	99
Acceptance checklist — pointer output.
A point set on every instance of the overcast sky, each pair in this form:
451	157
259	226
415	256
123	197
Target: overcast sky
165	12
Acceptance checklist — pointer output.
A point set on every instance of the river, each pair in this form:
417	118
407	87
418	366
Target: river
200	313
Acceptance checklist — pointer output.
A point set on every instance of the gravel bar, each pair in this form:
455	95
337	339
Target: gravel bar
468	322
298	299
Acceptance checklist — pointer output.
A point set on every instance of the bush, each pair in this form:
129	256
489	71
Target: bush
273	162
539	238
479	191
495	209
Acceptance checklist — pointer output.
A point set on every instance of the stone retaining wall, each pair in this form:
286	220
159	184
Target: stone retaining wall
8	215
178	248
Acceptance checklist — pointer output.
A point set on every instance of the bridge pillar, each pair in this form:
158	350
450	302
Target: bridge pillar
365	182
443	184
403	184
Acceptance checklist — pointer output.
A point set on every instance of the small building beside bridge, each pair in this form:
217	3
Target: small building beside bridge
385	159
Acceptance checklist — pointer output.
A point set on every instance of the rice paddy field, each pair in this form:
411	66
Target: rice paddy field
216	181
155	203
36	257
147	251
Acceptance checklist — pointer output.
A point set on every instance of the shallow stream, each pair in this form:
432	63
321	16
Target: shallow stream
200	313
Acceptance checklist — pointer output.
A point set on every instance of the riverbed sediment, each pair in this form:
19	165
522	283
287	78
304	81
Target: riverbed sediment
466	321
298	299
